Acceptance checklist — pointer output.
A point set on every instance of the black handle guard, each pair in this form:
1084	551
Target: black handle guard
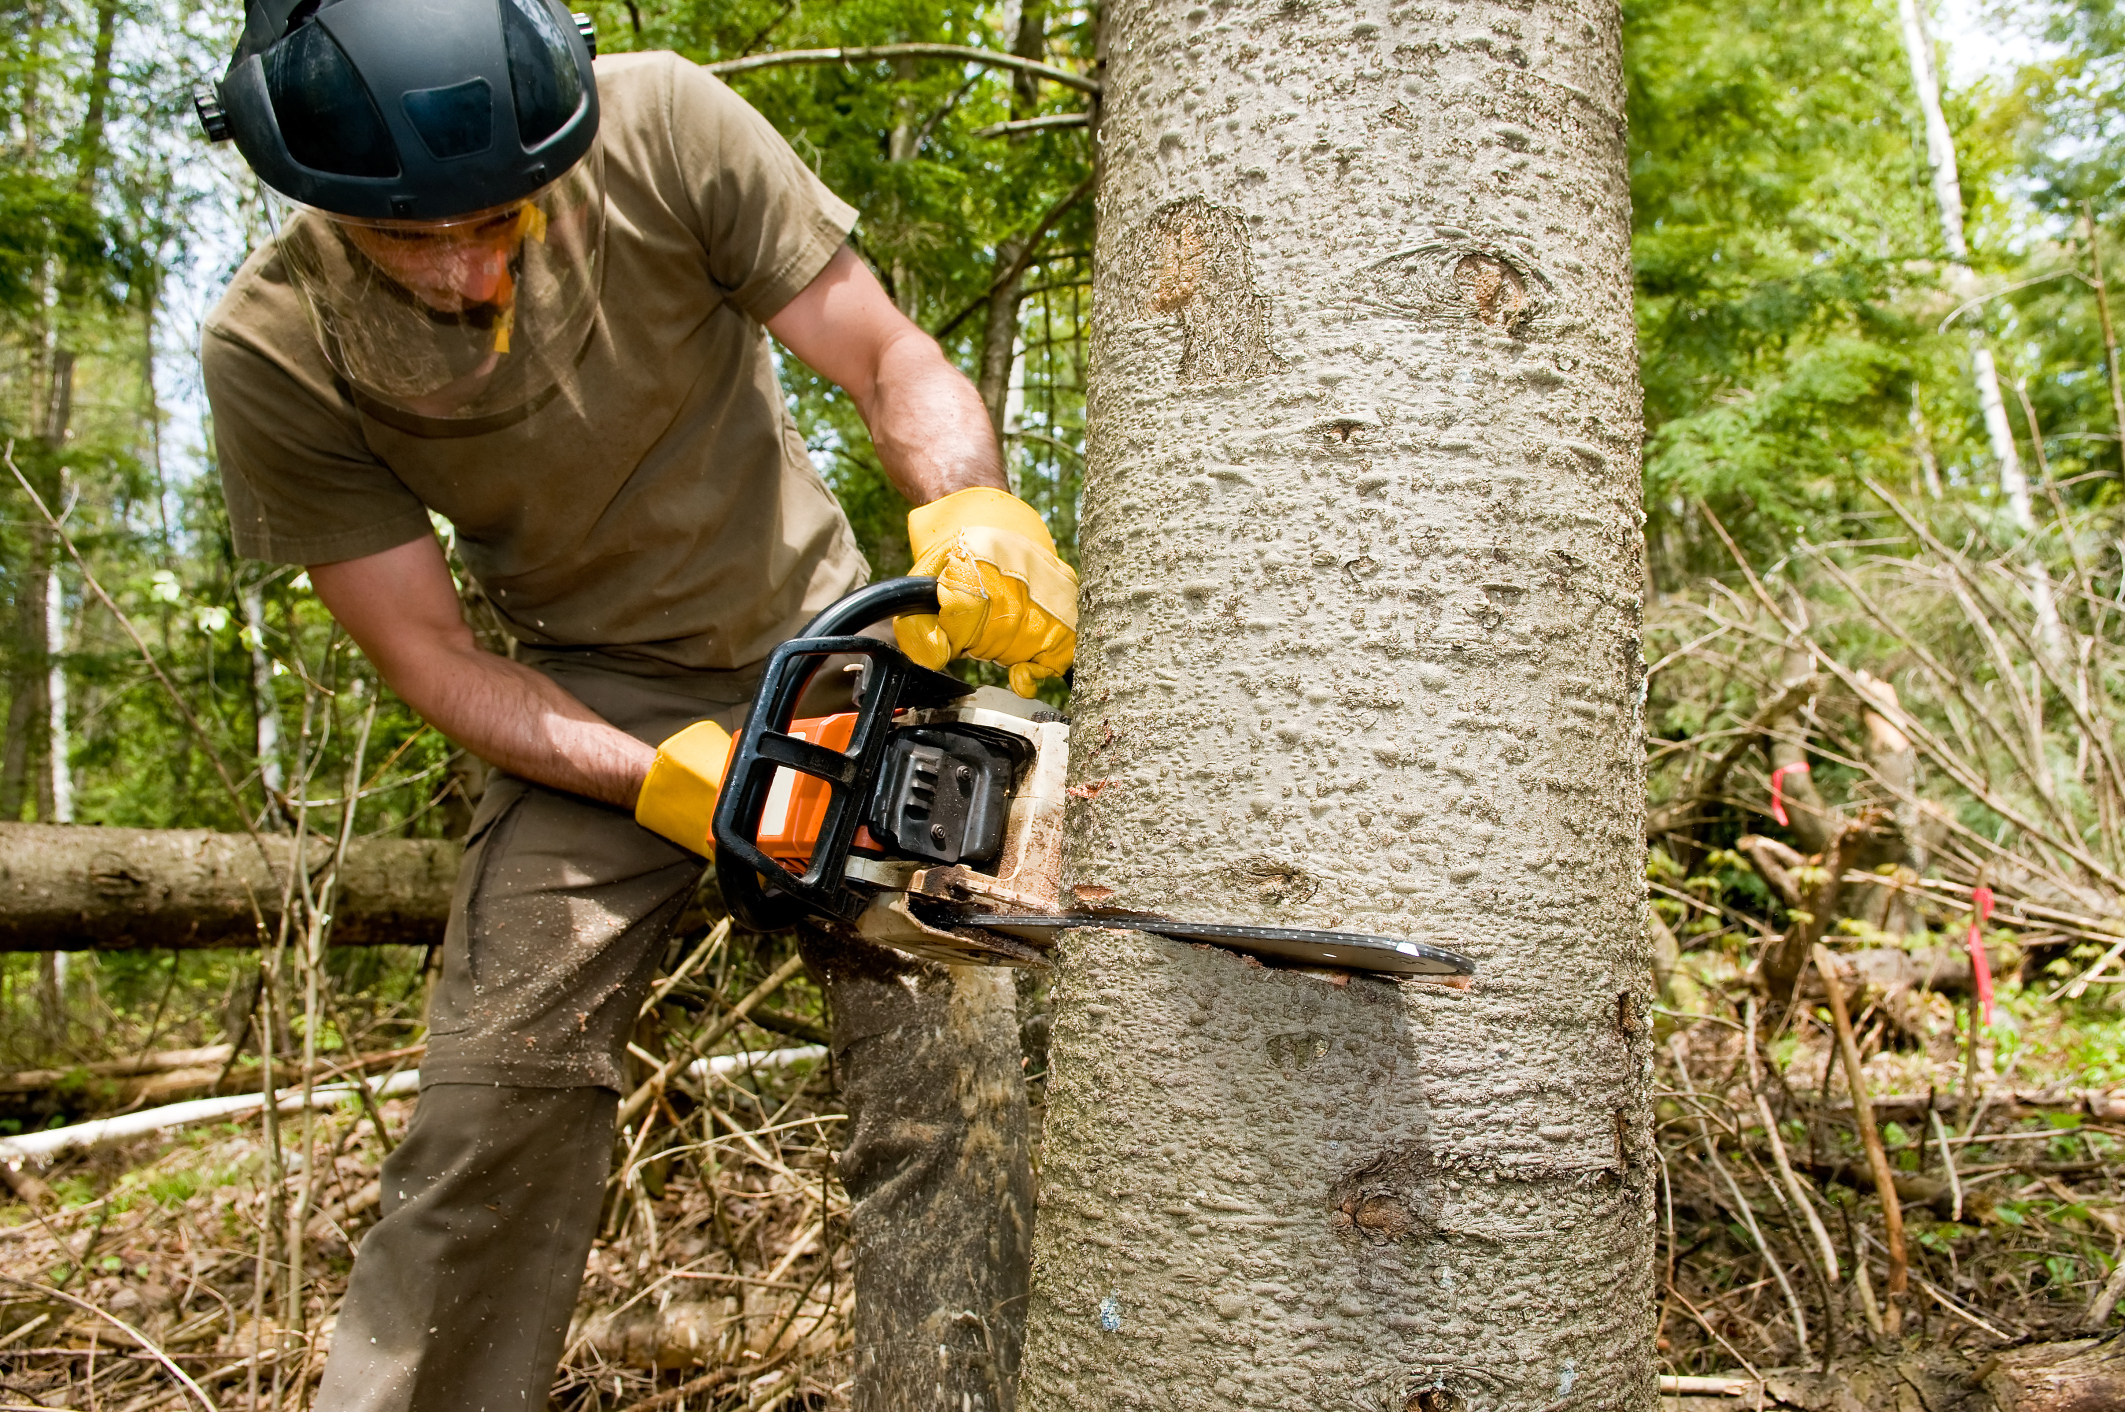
762	895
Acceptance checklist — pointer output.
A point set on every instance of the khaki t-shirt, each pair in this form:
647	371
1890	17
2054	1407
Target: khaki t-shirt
661	508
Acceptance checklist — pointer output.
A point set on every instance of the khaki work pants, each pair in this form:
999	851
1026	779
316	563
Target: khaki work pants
462	1292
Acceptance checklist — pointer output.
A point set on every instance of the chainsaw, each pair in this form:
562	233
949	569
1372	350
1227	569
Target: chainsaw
930	817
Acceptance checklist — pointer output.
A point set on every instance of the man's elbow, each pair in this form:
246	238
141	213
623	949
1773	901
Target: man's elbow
911	359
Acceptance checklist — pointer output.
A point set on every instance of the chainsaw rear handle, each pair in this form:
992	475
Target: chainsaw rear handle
761	894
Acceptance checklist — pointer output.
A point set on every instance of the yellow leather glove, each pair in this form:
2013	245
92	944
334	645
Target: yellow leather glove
678	798
1002	594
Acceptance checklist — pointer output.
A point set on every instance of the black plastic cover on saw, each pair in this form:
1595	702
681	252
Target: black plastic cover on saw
761	894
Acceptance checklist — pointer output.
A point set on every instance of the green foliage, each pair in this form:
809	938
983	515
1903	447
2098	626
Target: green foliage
2074	143
45	223
1792	289
1777	200
939	204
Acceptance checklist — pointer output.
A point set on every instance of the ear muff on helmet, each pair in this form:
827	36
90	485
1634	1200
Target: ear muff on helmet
407	109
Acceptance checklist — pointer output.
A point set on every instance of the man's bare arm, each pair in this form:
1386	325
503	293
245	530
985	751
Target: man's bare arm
926	419
401	608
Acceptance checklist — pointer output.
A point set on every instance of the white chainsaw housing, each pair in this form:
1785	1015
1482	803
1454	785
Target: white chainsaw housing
1026	874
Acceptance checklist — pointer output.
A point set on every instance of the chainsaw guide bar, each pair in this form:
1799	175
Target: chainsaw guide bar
1349	951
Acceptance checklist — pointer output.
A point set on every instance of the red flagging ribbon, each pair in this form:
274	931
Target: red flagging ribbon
1778	780
1980	967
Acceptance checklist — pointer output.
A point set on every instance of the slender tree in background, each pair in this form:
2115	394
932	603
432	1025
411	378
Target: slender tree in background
1360	649
265	707
1948	201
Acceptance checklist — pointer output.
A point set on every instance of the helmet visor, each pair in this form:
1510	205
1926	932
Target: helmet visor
465	318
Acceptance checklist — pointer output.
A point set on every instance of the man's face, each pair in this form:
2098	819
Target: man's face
451	267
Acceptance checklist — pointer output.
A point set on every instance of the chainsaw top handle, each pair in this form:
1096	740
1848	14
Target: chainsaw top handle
761	894
873	604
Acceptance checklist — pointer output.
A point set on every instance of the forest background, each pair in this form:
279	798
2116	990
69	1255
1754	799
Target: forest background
1840	572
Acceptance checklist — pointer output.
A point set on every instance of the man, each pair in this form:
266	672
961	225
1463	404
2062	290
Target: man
528	295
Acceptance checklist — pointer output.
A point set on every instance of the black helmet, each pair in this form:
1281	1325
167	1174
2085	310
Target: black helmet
407	109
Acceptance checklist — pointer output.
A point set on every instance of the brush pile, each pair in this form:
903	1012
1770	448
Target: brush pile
1885	823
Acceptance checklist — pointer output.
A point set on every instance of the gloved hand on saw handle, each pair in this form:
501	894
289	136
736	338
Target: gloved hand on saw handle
1002	594
678	798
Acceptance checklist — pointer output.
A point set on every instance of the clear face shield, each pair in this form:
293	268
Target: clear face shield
458	319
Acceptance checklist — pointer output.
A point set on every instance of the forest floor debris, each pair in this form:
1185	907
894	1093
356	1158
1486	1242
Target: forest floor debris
721	1278
722	1265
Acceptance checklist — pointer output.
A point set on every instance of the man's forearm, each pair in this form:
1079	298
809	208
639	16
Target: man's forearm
401	607
519	720
928	423
926	419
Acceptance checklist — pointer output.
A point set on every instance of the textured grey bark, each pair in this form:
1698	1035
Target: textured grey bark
1359	648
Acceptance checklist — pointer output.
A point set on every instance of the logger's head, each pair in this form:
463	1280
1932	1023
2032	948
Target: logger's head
445	221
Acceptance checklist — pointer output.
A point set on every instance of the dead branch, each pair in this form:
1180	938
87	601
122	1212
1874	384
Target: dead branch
1680	814
870	53
1775	863
1782	965
1869	1133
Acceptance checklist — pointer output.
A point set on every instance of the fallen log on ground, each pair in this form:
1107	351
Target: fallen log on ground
32	1098
1882	970
67	887
2002	1103
164	1061
750	1324
45	1143
2081	1375
1912	1189
48	1142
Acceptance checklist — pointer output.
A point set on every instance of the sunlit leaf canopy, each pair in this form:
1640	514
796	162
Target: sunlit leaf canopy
902	140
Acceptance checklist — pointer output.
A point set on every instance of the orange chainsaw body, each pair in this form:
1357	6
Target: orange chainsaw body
796	803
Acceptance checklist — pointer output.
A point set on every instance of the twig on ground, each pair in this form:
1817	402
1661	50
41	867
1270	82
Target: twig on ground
1743	1208
1955	1306
1955	1181
640	1098
1869	1136
2106	1301
145	1344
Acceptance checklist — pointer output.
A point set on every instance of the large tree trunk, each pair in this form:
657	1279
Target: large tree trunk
74	888
1360	649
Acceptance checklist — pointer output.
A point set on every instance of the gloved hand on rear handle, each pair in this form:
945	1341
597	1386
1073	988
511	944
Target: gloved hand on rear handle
678	798
1002	594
